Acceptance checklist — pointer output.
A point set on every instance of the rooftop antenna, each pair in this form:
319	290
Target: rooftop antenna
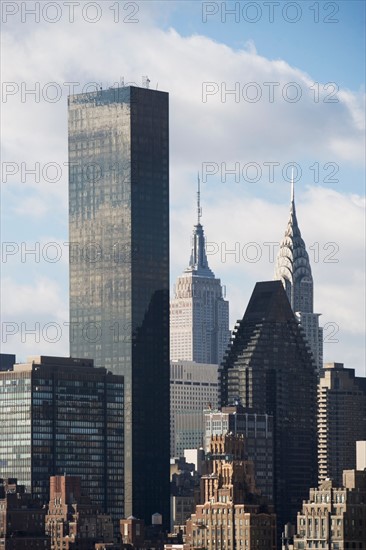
146	81
292	185
199	209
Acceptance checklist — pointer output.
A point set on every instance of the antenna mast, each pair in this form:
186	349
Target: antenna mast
199	209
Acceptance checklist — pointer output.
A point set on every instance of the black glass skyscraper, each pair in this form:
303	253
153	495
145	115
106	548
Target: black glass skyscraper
119	269
270	369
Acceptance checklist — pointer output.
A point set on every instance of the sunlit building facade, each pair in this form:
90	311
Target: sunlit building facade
199	313
119	269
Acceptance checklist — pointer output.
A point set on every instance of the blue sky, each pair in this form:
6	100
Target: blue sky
328	50
196	61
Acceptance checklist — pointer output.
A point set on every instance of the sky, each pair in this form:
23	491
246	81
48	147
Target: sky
256	89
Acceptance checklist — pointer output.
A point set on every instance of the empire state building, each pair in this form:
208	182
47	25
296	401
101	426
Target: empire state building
199	314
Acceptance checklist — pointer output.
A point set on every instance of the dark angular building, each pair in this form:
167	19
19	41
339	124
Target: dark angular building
119	269
60	415
269	368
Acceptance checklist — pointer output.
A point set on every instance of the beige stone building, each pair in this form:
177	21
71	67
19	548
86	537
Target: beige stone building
232	515
334	517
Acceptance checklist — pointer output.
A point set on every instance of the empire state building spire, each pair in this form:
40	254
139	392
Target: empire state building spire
198	263
199	313
294	271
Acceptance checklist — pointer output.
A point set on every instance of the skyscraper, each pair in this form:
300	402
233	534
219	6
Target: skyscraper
119	269
59	414
270	370
199	314
294	271
193	388
341	420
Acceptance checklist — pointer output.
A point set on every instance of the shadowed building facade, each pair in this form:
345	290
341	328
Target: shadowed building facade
341	420
59	414
119	269
258	432
22	519
270	370
73	520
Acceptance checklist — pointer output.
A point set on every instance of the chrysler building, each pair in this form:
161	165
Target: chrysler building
199	314
294	271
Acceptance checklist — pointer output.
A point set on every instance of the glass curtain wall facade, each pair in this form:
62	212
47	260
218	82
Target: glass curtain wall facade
62	415
119	269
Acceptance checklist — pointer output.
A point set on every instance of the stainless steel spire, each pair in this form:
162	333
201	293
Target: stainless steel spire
294	271
293	265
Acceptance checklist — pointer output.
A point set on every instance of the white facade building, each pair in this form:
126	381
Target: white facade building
199	314
294	271
193	388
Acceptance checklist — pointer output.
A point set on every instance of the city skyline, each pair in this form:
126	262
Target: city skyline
322	137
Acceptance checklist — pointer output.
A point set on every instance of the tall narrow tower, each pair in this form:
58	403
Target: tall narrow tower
199	314
294	271
119	270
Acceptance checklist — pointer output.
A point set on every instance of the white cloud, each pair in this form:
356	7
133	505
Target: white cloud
34	318
218	130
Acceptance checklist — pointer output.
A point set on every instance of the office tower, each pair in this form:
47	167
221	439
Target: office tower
119	269
72	520
199	314
60	415
269	369
193	388
232	514
334	515
294	271
21	519
257	430
341	420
